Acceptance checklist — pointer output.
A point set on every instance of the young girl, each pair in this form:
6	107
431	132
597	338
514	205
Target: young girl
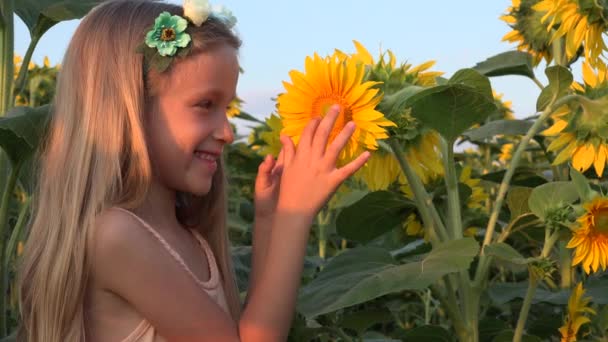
128	240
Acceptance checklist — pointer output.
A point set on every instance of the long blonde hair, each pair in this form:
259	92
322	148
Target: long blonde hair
95	157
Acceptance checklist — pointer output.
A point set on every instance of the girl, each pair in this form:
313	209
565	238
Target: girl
128	240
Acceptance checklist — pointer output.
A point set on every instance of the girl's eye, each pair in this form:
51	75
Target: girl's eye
205	104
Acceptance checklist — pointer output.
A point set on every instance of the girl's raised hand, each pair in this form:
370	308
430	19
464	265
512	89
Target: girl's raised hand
309	174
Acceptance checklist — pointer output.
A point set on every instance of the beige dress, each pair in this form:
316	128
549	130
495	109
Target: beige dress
145	332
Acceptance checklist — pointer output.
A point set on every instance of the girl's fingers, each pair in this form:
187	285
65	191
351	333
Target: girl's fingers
319	142
289	149
308	134
349	169
264	172
278	164
333	151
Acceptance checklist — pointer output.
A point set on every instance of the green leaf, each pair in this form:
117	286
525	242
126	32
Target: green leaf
21	130
498	127
489	327
551	195
473	79
507	336
364	273
246	116
582	185
560	80
507	253
373	215
362	320
507	63
452	108
523	176
433	333
41	15
517	201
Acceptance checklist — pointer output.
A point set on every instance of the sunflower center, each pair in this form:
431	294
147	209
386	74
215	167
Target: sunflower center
167	34
601	221
321	107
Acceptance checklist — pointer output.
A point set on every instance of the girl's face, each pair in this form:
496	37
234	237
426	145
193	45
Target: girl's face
189	127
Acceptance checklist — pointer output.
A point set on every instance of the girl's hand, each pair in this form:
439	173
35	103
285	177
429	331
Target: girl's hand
267	185
309	174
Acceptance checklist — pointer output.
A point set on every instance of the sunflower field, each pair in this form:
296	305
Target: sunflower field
466	224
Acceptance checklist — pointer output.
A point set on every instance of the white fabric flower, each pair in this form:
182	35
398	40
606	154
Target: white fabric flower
224	14
197	10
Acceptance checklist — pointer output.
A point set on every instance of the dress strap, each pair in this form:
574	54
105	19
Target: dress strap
213	272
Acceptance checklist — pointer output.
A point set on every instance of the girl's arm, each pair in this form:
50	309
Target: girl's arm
129	263
309	177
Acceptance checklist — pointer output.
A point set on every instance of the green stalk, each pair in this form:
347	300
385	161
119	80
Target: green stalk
6	56
550	240
21	77
565	265
484	260
17	231
451	183
4	204
525	308
323	218
424	202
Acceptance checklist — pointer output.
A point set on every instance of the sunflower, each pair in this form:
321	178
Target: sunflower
529	32
506	152
577	307
234	108
581	25
582	132
327	81
478	197
505	108
590	239
265	139
380	171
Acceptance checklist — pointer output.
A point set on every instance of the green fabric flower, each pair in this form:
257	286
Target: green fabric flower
168	34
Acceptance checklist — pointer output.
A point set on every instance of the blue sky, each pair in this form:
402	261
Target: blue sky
277	36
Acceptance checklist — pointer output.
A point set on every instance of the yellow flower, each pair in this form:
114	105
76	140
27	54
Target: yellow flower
412	226
505	109
478	197
577	307
327	81
581	26
269	134
529	32
506	152
380	171
590	239
581	132
19	248
424	158
234	108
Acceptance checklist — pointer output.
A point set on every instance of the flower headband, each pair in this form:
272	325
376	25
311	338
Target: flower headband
168	36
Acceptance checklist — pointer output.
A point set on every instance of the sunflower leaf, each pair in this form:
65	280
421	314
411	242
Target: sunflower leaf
364	273
549	196
373	215
560	80
507	63
452	108
582	185
502	127
505	252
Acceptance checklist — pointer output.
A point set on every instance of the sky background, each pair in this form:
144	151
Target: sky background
278	34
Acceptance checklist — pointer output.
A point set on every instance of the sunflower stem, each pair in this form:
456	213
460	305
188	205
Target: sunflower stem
21	77
565	264
451	183
484	260
525	308
538	83
424	202
7	71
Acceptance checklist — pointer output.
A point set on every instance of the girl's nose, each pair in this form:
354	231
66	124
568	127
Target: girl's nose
224	132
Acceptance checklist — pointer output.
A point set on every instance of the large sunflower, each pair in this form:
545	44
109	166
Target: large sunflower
577	308
590	239
529	32
380	171
582	133
581	23
327	81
